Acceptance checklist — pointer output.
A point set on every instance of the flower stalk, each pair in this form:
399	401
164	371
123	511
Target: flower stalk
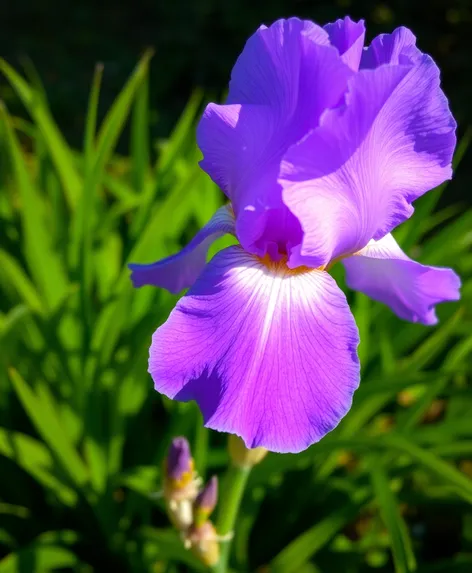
234	486
243	460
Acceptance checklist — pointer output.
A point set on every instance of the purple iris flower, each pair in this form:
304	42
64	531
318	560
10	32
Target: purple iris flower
321	148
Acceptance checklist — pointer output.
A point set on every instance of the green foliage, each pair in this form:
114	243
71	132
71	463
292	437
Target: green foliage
83	435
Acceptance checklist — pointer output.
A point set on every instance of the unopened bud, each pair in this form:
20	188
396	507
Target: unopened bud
243	457
179	463
205	502
180	484
179	472
204	543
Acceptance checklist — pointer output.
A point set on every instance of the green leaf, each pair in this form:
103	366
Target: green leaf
461	484
181	133
402	549
91	121
119	111
95	443
55	142
44	415
166	544
167	161
13	276
83	224
33	456
361	311
142	479
306	545
43	262
38	558
434	344
140	136
461	149
42	555
16	510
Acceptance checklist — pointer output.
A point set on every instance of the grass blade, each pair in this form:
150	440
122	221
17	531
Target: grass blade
458	481
140	136
44	264
305	546
13	276
40	409
402	549
91	121
35	459
56	143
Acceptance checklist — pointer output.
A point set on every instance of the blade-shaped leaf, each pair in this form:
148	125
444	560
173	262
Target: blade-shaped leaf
44	264
40	408
56	143
402	549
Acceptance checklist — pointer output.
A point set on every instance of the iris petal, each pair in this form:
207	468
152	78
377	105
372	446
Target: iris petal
397	48
268	354
268	70
383	272
348	37
285	78
354	178
180	271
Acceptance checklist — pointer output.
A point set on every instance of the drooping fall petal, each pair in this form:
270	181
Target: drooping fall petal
412	290
180	271
267	353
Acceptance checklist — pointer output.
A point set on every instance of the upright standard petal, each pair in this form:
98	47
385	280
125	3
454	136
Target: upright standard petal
383	272
348	37
398	48
354	178
268	354
182	269
286	77
268	70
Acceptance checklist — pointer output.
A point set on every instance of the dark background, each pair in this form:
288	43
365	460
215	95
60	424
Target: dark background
196	43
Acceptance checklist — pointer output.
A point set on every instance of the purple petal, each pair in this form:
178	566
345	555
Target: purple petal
281	84
267	71
231	139
354	178
398	48
179	459
208	496
383	272
348	37
181	270
269	354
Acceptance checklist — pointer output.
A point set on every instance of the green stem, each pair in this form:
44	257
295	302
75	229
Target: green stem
200	448
235	483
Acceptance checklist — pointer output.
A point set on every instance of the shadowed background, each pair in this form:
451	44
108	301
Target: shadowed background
197	42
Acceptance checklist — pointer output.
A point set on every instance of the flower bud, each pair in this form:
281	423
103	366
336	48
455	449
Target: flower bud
243	457
204	543
179	473
180	484
205	502
179	463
